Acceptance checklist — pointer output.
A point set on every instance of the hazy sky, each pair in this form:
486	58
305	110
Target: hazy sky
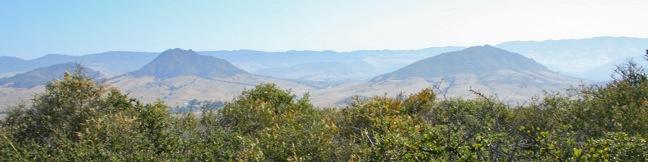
30	29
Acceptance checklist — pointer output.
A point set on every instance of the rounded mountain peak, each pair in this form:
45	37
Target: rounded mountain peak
476	60
179	62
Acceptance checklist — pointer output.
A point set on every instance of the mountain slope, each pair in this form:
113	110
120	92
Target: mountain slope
43	75
492	71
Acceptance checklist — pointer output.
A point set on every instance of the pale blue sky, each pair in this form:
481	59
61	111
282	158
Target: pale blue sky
30	28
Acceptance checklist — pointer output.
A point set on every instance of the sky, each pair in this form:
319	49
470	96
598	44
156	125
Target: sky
30	28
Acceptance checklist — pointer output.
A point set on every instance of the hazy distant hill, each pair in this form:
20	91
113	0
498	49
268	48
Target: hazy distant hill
325	71
110	63
177	76
591	58
9	63
43	75
256	60
510	76
23	86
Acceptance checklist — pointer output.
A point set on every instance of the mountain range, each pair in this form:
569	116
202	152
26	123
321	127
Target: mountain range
592	59
178	75
276	64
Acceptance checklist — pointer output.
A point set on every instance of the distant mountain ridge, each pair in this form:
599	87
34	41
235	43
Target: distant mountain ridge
177	62
588	58
325	71
110	63
44	75
276	64
313	65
